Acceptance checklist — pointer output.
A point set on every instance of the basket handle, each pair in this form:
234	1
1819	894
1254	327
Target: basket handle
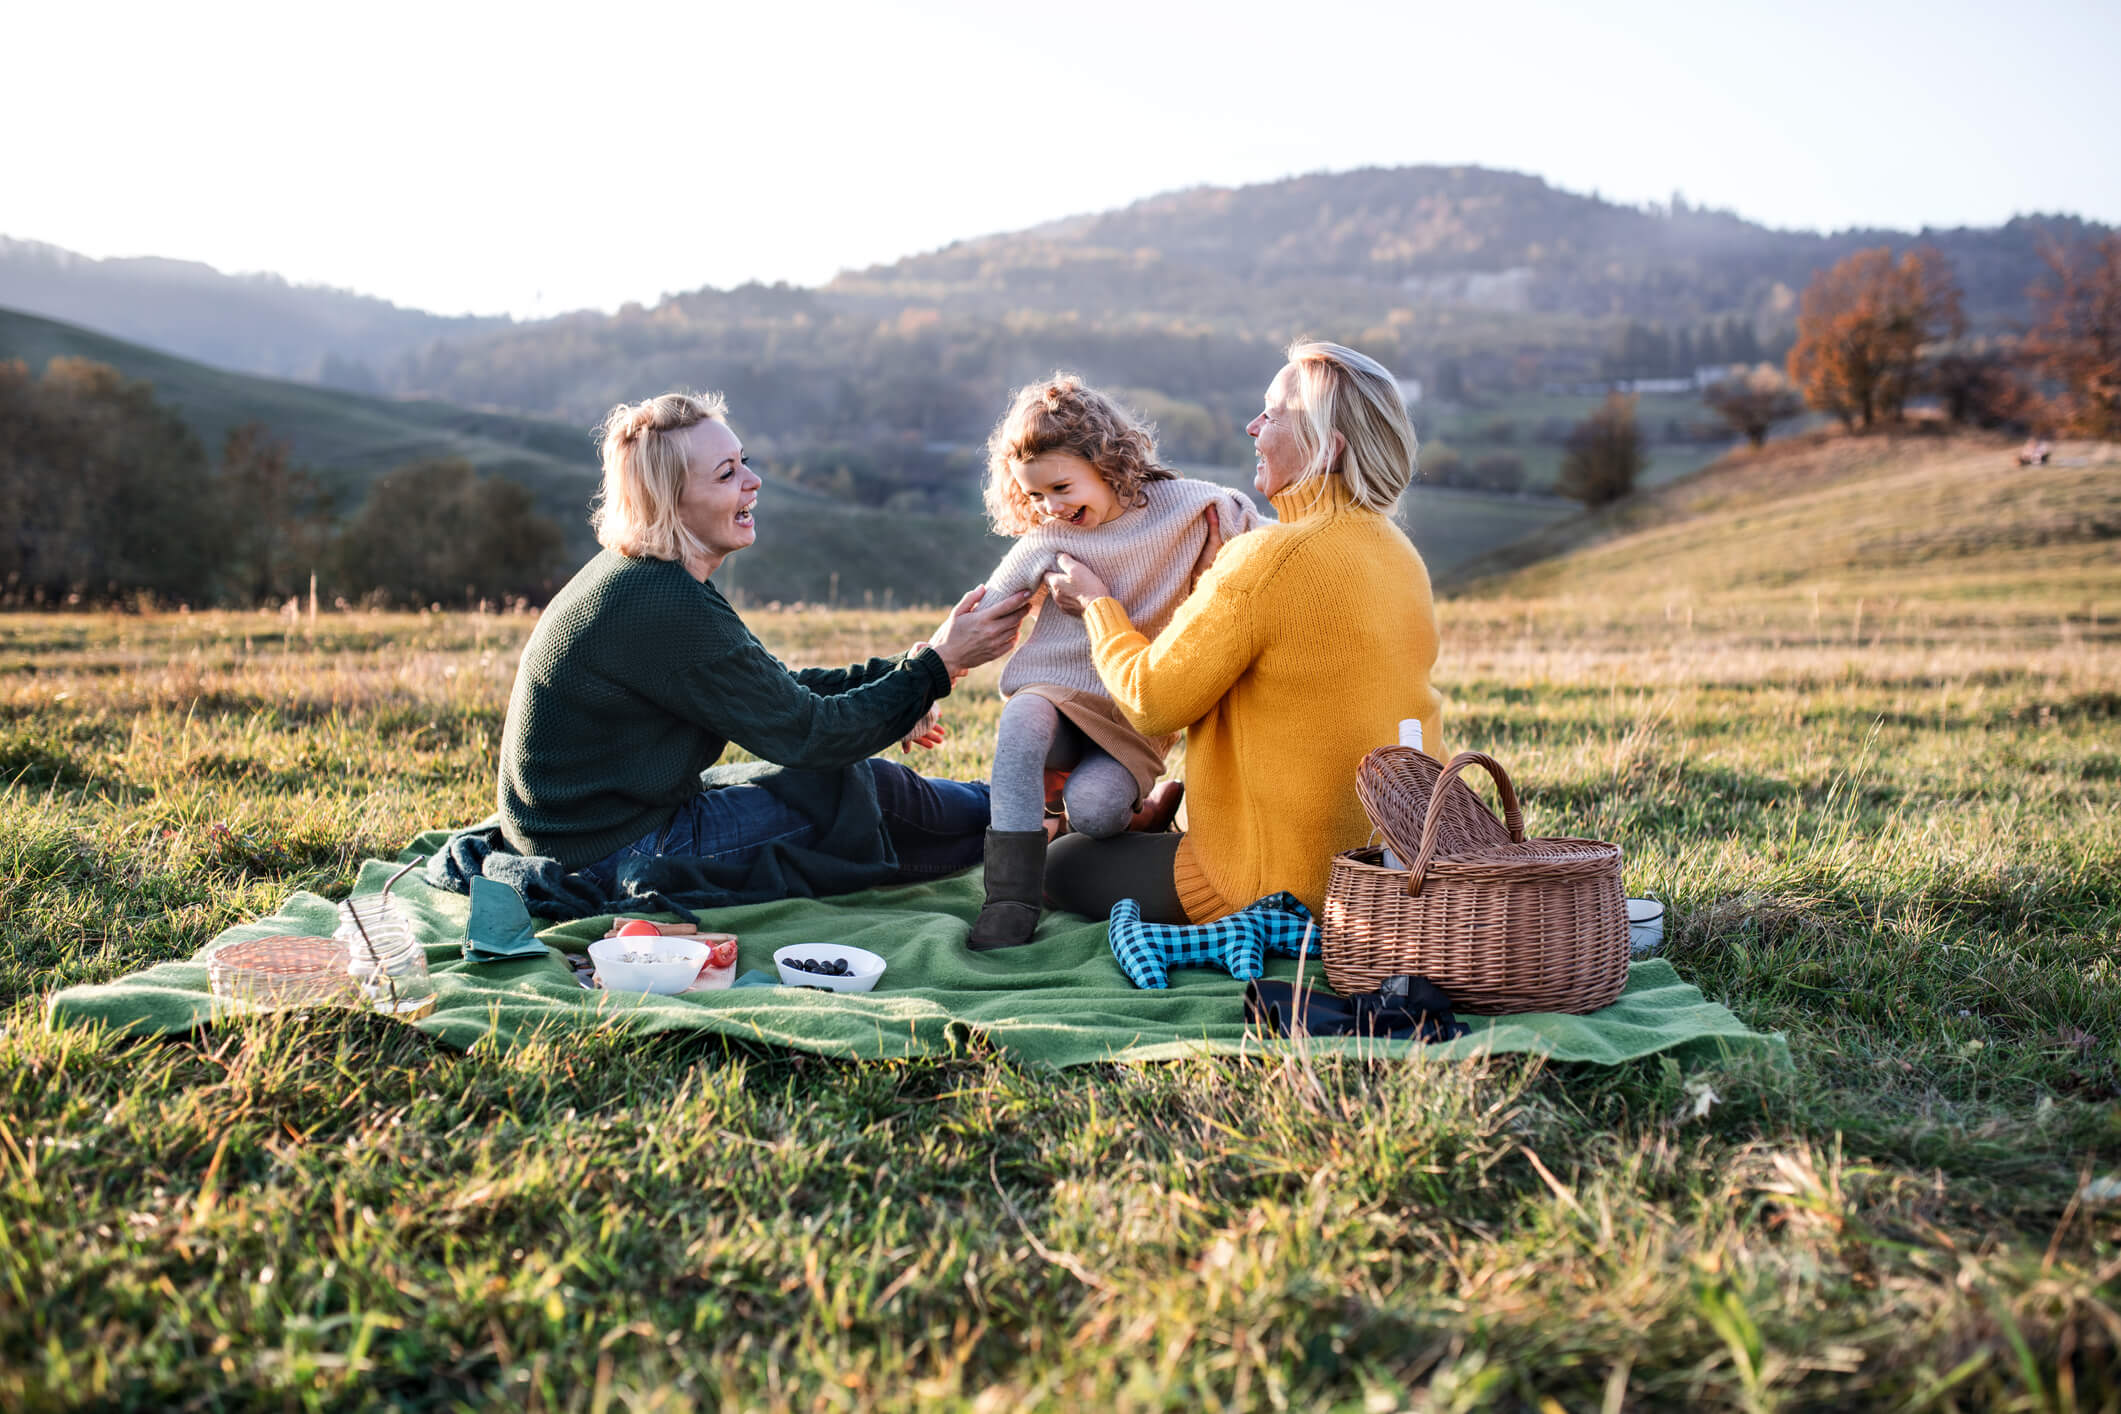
1512	815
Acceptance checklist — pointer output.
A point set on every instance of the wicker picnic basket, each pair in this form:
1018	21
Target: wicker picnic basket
1500	922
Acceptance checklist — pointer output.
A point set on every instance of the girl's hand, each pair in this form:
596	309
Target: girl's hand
1074	585
928	733
1209	551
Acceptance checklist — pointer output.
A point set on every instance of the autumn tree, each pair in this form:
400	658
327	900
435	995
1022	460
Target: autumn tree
1755	402
2077	341
1604	454
1862	328
1978	387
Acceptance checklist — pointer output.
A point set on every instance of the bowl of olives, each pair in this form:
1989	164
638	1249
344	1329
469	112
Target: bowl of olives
828	965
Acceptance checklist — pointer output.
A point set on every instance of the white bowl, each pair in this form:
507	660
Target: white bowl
863	967
1645	926
676	966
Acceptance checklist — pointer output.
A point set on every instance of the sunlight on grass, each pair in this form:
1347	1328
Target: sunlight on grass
1886	824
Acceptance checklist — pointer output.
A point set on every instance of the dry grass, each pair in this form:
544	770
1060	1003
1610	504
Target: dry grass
1885	820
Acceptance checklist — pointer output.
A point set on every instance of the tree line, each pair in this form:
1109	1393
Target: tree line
107	497
1877	331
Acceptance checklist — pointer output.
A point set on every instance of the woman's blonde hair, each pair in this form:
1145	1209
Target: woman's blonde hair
1340	390
1064	414
644	476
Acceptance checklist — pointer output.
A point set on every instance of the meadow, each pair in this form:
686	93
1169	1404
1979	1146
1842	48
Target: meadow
1855	723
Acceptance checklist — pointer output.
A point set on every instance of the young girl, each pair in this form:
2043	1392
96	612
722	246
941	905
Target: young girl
1071	472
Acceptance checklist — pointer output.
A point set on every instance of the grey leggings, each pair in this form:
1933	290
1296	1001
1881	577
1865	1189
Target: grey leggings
1034	736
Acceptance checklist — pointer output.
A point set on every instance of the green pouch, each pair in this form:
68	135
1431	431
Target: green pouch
500	929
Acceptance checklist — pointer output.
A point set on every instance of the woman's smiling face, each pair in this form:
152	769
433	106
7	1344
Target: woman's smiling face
1282	459
720	490
1067	489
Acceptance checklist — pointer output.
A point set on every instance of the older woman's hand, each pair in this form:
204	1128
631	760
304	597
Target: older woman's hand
978	630
1074	585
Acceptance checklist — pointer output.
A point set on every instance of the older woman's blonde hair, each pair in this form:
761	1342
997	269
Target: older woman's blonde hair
1065	414
644	476
1339	390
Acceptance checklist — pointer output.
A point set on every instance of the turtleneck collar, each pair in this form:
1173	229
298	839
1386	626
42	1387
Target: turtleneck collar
1313	499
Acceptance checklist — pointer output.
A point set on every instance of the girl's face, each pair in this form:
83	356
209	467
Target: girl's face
719	491
1282	461
1067	489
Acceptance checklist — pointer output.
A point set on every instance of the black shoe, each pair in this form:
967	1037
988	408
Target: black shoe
1016	876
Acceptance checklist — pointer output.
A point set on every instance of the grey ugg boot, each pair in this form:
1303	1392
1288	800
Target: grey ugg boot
1016	880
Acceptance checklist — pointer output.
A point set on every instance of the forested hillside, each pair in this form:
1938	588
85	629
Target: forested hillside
1488	288
1434	237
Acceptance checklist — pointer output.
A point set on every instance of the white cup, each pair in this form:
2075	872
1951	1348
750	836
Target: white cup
1645	926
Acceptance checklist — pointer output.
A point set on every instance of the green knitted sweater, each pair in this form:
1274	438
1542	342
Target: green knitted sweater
635	680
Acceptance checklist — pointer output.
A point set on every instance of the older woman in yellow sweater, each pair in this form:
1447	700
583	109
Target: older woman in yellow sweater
1302	647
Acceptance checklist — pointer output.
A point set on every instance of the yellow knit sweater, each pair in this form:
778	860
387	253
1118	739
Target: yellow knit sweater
1300	650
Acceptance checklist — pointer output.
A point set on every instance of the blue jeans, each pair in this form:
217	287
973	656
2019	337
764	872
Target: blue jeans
937	826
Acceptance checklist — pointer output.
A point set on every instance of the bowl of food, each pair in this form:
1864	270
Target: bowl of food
633	963
833	966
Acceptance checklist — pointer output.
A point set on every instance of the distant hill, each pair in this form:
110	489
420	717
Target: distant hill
1484	286
348	440
250	323
1945	517
1468	237
812	545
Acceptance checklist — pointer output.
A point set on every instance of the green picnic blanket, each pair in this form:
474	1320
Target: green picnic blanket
1062	1001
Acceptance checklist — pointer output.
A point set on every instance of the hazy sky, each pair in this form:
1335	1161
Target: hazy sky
529	159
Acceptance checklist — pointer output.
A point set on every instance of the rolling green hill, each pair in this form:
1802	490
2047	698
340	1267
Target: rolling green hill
811	548
1948	517
348	440
345	438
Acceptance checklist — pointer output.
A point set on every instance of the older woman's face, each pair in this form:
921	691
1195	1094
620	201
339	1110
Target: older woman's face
1282	460
720	490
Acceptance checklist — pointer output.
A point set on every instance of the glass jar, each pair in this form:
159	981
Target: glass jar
384	957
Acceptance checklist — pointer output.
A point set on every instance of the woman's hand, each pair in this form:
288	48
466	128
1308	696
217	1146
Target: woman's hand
1074	585
916	650
978	631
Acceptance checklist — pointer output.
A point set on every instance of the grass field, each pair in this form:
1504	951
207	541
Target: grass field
1872	765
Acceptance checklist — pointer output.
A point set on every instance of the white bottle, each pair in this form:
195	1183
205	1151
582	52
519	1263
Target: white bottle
1409	735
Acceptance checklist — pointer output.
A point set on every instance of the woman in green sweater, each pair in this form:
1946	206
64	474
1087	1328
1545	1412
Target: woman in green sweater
639	674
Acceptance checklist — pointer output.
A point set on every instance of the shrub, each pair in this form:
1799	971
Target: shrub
1604	454
437	531
1500	471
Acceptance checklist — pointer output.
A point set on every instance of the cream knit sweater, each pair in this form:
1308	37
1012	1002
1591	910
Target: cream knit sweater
1145	559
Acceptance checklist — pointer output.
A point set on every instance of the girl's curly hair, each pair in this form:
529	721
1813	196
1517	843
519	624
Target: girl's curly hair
1064	414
